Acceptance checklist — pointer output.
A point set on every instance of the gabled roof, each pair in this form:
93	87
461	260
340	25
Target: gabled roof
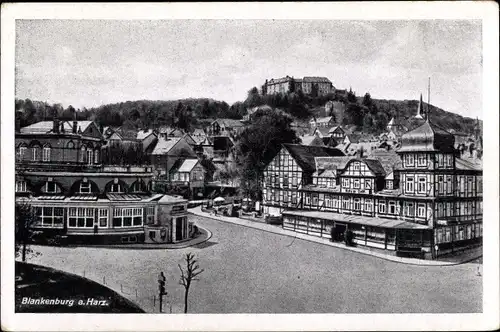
316	79
164	145
311	140
142	134
375	166
336	128
324	119
332	163
354	138
184	166
304	154
321	132
198	132
176	132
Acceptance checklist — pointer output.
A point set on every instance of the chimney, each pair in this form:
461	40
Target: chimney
55	126
75	125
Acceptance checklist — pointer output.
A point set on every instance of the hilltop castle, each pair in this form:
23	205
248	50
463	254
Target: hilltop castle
308	85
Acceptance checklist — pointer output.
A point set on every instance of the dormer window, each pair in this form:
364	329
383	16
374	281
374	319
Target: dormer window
116	188
50	187
85	188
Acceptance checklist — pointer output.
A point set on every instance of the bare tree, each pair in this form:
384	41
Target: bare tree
189	275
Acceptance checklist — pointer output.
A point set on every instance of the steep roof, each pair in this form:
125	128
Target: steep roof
426	138
183	165
164	145
45	127
389	159
311	140
336	128
324	119
198	132
331	163
462	164
375	166
316	79
304	154
231	123
142	134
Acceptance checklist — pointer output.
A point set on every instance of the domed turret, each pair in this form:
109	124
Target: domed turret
427	138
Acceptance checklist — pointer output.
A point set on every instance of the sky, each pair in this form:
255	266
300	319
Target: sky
87	63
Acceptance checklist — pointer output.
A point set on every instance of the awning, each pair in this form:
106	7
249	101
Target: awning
51	198
353	219
84	198
123	197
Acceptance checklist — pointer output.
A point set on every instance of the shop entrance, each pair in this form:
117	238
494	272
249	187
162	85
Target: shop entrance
338	231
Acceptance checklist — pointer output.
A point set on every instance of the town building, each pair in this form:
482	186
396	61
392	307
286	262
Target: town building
308	85
225	127
426	204
167	151
285	175
322	122
60	174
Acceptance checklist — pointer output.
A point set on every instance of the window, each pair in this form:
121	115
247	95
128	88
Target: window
382	207
409	184
368	184
46	153
308	199
50	216
85	188
285	181
35	153
421	210
127	217
449	189
80	217
440	184
70	145
389	184
138	186
89	156
345	203
82	153
368	205
410	159
357	166
421	160
421	185
315	200
116	188
294	181
20	186
103	217
392	207
345	183
357	204
22	152
410	209
96	156
51	187
356	184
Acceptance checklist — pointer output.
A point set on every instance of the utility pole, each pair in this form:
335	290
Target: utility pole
161	289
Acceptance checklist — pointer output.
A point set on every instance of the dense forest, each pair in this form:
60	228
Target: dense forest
363	113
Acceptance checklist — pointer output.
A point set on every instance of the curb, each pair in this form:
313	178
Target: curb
414	261
171	246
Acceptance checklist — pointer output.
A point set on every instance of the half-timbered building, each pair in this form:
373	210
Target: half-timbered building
425	204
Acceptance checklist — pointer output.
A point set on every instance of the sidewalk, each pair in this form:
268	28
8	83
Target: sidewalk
279	230
203	237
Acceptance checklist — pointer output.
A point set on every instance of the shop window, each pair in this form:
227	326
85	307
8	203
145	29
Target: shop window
127	217
50	216
81	217
103	217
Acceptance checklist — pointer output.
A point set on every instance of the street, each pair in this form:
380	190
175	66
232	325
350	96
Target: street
253	271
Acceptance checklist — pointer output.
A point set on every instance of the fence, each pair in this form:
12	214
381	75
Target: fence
147	299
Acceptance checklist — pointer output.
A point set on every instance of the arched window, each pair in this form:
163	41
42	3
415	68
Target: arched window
90	155
46	153
116	186
138	186
96	156
82	153
21	152
35	153
70	145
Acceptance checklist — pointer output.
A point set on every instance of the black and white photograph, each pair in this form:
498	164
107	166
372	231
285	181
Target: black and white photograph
207	162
